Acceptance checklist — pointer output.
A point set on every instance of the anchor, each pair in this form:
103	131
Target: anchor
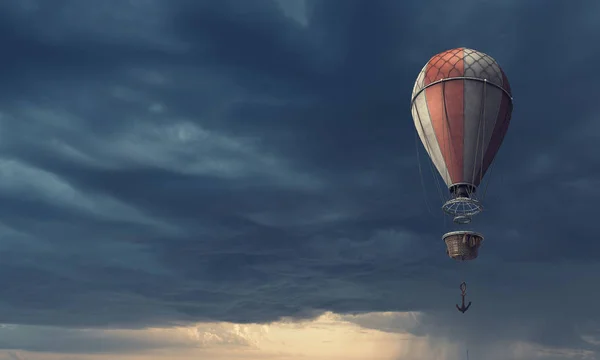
463	289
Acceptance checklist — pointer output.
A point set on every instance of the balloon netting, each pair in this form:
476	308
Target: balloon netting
460	63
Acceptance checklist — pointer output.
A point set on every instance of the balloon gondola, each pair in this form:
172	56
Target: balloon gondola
463	245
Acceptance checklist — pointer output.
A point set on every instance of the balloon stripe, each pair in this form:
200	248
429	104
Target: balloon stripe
446	107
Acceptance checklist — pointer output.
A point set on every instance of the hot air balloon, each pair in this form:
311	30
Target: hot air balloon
461	106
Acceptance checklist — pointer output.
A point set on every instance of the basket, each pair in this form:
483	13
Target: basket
462	245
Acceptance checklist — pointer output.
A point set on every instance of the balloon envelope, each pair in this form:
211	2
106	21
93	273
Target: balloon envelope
461	106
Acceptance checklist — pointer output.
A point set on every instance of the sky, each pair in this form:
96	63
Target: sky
238	179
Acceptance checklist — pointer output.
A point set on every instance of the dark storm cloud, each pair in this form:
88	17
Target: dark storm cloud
182	161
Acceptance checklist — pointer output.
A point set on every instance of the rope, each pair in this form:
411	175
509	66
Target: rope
421	175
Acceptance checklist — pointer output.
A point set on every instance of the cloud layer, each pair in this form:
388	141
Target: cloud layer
164	163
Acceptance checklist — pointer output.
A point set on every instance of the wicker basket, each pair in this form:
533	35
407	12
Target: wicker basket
462	245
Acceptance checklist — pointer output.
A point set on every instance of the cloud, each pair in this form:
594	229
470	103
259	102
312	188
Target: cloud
169	163
106	341
329	336
320	338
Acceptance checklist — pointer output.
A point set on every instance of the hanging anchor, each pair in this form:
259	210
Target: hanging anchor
463	289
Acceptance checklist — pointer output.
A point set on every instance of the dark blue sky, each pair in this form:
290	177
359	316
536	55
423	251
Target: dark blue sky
178	161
